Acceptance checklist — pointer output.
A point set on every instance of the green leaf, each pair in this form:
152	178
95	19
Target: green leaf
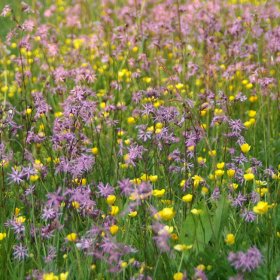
220	216
197	230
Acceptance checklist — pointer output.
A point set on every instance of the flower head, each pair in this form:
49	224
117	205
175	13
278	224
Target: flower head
245	148
261	208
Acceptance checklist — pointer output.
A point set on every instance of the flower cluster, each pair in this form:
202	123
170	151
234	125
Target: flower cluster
139	139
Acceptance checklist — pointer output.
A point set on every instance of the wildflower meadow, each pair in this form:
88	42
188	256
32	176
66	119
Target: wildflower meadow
139	139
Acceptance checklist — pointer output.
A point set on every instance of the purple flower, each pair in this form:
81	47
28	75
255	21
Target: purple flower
200	274
18	228
30	190
248	216
49	213
143	133
254	197
6	11
16	176
85	244
162	237
239	200
51	254
135	152
247	261
239	276
20	252
236	126
126	187
105	190
216	194
41	105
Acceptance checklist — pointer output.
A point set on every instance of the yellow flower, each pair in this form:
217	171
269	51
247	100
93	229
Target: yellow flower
196	211
131	120
111	199
261	208
261	183
182	183
247	124
136	181
252	113
182	247
159	193
114	229
94	150
28	111
204	190
166	229
158	131
253	98
234	186
132	214
72	237
147	80
144	177
20	219
33	178
201	160
179	86
153	178
76	204
167	213
203	113
212	153
127	142
187	197
63	276
191	148
124	264
245	148
58	114
218	112
220	165
219	173
230	239
174	236
50	276
201	267
231	173
114	210
249	176
178	276
262	191
197	180
3	235
17	210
